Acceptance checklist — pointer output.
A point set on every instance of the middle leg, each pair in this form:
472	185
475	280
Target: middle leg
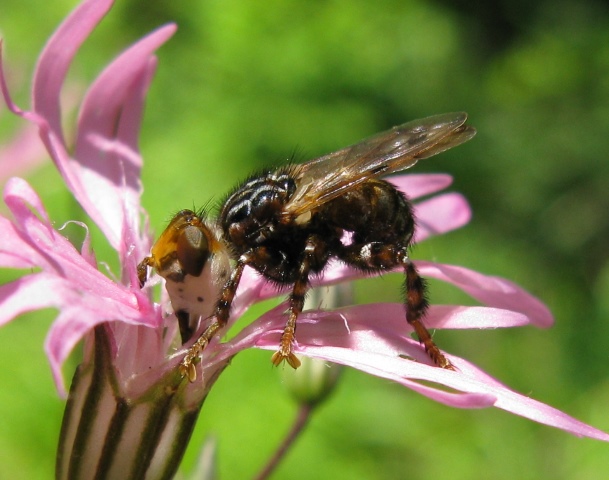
315	254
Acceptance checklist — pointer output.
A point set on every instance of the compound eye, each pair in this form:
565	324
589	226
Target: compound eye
192	250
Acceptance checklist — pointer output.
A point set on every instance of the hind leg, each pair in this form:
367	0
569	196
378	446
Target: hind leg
379	256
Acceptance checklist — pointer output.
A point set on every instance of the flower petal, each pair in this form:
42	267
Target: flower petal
340	334
57	256
385	325
81	311
106	178
441	214
493	291
15	252
342	338
476	390
461	317
29	293
392	317
57	56
416	185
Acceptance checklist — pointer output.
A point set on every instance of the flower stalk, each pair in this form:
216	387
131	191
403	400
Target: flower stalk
314	381
303	416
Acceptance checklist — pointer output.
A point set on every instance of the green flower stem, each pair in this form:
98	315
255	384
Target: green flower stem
314	381
300	422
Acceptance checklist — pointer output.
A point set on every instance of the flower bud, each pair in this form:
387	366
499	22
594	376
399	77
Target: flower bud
312	382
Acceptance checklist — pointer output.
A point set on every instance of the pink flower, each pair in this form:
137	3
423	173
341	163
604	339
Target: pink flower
25	153
103	173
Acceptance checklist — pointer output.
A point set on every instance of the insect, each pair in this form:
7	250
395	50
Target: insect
289	222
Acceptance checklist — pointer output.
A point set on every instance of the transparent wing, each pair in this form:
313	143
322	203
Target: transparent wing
328	177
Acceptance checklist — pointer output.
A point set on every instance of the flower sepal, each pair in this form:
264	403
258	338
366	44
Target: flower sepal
107	432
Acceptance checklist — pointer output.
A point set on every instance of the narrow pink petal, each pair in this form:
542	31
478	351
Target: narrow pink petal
392	317
265	333
490	290
65	333
57	56
54	144
506	399
105	175
81	308
441	214
29	293
381	327
78	317
405	372
18	195
55	253
460	317
417	185
473	388
15	252
57	351
108	176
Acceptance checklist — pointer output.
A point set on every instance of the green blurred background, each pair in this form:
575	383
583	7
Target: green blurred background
245	84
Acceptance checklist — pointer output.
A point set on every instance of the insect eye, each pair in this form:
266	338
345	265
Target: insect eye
192	250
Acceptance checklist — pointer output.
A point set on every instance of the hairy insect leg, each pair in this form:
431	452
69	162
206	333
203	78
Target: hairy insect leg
297	300
416	308
289	331
221	315
383	255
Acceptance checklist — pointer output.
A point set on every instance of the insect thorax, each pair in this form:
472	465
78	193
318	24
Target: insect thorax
249	213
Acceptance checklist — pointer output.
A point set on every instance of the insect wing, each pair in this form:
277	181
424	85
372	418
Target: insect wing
328	177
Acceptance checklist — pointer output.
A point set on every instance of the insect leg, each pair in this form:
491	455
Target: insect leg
416	308
142	270
222	313
297	299
377	256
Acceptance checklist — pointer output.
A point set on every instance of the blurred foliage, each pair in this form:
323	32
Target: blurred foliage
241	86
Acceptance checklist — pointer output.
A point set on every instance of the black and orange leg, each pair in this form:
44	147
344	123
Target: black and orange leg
221	316
416	308
377	256
297	300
